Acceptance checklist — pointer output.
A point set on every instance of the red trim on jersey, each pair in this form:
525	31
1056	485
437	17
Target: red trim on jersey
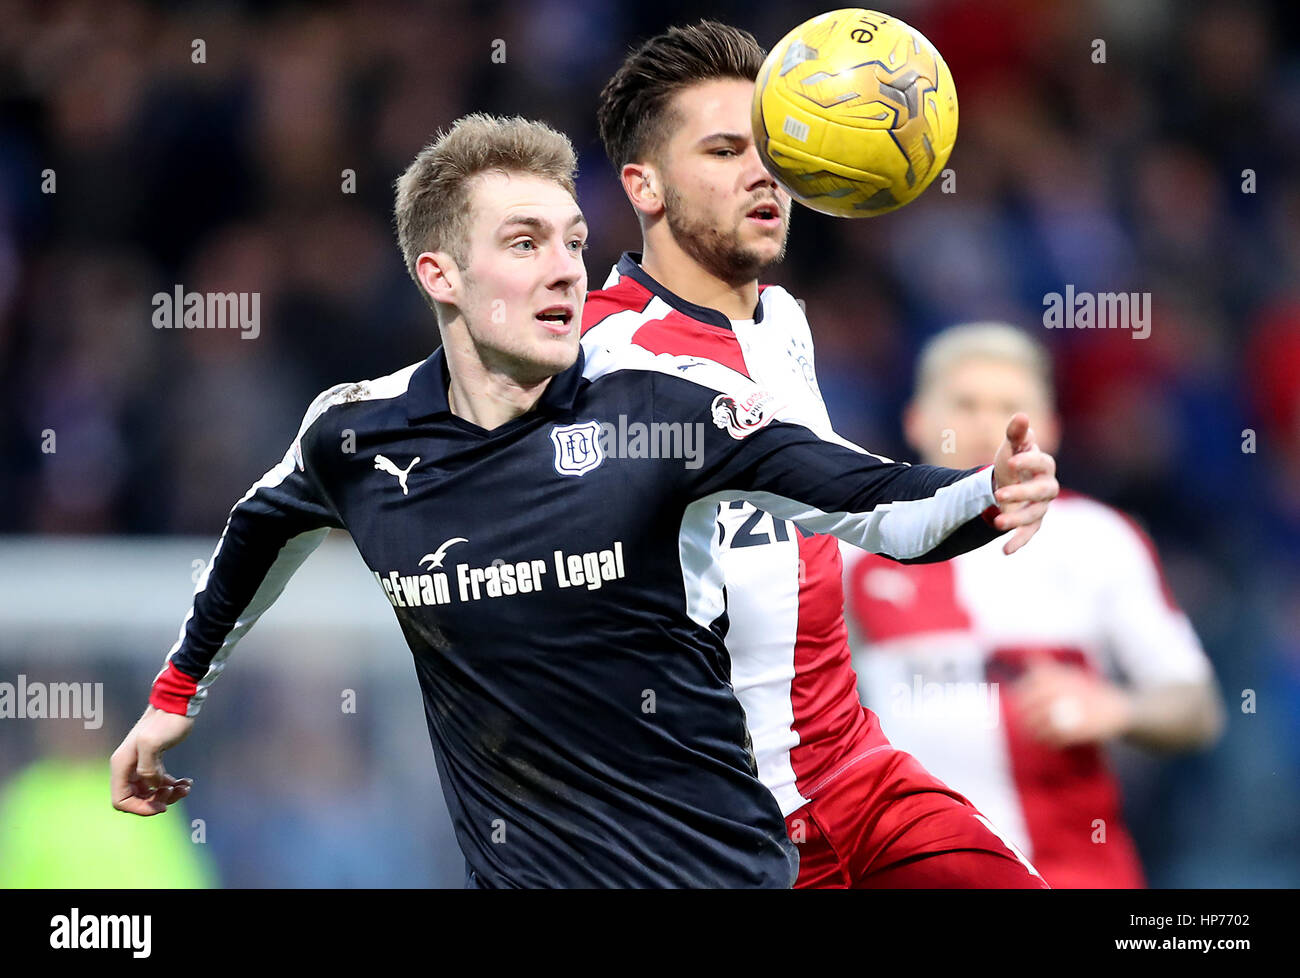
627	294
172	690
676	333
925	599
1069	797
828	715
680	335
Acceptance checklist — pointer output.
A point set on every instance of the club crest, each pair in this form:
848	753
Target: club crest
577	447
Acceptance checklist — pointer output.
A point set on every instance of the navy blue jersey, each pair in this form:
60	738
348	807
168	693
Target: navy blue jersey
557	583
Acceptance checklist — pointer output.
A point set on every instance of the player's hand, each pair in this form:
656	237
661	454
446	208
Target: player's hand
140	785
1024	479
1063	706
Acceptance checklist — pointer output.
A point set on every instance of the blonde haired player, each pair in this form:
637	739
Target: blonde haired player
1013	705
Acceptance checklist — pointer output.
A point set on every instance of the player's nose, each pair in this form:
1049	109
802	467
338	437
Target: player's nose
756	175
566	268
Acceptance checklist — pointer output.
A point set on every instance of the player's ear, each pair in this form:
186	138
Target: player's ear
643	188
438	276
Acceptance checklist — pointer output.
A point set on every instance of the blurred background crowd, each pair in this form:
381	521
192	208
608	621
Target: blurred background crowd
1171	167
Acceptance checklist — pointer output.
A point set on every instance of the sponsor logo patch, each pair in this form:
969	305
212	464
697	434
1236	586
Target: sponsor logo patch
741	416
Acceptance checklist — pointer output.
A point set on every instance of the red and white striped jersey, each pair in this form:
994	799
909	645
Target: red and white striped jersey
938	646
788	644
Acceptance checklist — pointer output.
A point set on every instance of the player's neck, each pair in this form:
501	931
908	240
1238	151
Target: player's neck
679	273
484	396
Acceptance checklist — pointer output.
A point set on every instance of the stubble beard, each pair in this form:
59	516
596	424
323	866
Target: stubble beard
717	250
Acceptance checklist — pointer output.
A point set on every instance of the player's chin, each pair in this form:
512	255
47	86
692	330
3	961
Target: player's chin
556	354
765	245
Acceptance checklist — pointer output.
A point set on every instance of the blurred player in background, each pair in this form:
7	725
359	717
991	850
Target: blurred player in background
1012	704
675	121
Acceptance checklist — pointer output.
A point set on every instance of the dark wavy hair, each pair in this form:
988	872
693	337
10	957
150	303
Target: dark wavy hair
634	114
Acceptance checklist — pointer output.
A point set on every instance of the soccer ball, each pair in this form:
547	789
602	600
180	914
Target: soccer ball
854	113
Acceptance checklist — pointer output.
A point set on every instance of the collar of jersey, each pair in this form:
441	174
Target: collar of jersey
630	264
426	395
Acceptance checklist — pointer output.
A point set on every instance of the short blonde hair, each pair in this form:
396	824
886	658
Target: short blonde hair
986	341
433	196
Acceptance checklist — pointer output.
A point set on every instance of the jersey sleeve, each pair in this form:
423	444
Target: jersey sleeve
755	447
1149	637
269	533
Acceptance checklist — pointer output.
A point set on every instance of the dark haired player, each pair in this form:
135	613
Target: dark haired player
675	121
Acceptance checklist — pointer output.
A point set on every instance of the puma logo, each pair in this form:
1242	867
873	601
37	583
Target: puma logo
435	558
384	464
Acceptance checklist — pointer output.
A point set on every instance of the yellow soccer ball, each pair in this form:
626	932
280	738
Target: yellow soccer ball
855	113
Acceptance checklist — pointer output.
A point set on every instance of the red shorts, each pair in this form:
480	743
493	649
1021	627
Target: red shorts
887	823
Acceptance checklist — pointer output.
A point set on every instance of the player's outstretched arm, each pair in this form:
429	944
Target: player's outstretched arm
757	450
269	533
140	784
1063	706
